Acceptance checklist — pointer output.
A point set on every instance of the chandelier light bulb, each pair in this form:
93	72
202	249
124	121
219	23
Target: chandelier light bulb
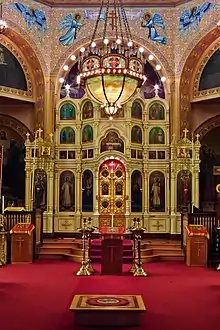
78	79
73	58
106	41
3	26
218	24
158	67
65	68
130	43
67	87
118	41
61	80
150	57
141	49
82	49
93	44
163	79
156	87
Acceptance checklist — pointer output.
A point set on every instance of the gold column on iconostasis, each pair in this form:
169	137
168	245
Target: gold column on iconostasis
174	83
49	104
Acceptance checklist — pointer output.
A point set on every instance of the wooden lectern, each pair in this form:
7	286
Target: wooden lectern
112	250
22	243
196	245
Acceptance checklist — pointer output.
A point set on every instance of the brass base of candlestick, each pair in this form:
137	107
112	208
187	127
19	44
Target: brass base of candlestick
218	268
134	267
90	267
140	272
83	271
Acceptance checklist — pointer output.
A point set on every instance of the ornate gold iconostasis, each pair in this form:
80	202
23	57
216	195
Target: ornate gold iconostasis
113	170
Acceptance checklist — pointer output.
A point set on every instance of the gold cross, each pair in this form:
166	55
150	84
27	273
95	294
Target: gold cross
39	132
198	246
20	241
185	131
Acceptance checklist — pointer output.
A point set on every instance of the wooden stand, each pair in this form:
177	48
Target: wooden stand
22	243
196	246
112	251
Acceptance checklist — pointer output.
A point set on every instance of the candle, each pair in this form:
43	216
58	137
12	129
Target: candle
112	222
3	204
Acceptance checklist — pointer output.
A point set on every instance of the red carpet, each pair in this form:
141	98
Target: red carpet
37	297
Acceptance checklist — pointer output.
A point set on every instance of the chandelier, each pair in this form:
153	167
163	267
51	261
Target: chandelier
3	24
113	69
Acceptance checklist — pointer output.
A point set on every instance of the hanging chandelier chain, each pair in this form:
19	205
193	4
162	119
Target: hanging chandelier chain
120	25
116	19
106	20
124	17
98	21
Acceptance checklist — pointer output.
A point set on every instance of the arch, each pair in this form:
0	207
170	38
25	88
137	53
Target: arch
16	125
104	158
156	136
157	191
136	191
87	190
189	75
65	59
156	110
207	126
87	109
67	135
137	109
87	134
67	196
30	63
112	141
67	111
136	134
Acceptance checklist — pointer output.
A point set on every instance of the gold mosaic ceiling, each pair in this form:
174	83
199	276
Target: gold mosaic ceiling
127	3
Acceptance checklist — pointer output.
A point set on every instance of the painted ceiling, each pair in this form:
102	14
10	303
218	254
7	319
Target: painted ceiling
127	3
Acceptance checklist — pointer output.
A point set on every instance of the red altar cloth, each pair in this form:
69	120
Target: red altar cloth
197	230
112	230
22	228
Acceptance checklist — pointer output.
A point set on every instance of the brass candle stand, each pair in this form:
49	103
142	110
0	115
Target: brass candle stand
83	271
3	241
134	261
138	232
91	229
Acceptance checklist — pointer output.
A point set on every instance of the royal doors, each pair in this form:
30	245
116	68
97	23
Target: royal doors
112	193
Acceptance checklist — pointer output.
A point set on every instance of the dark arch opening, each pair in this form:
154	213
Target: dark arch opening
210	77
11	72
210	157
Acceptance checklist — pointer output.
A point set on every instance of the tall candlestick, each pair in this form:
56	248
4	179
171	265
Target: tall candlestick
3	204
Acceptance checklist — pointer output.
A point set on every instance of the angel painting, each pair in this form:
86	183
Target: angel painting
34	18
71	23
191	18
152	22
